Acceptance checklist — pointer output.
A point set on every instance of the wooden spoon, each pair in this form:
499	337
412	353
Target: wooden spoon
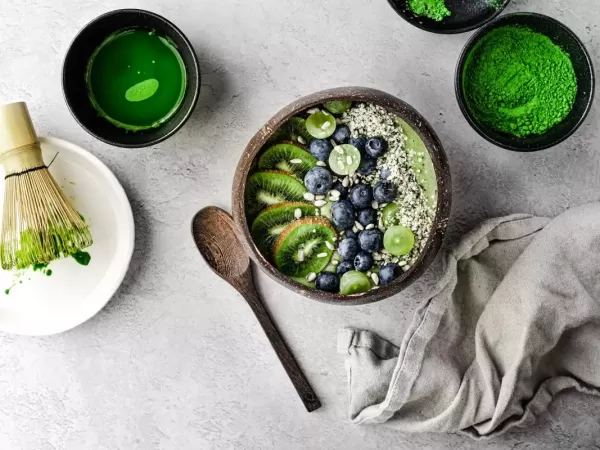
215	236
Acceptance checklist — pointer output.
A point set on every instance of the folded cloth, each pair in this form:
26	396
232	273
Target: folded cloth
514	320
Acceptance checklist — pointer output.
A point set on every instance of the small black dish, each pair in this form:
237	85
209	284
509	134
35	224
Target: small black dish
466	15
584	71
75	90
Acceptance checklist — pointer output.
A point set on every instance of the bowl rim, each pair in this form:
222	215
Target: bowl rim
458	77
401	13
195	87
443	178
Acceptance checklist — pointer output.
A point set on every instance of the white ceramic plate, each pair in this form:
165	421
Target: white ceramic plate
38	304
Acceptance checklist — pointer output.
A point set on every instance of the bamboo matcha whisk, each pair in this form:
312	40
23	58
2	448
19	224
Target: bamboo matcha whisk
39	224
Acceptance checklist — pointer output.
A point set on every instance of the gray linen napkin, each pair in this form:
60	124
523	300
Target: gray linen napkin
514	319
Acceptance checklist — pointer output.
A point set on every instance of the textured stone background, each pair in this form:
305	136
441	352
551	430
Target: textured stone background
176	360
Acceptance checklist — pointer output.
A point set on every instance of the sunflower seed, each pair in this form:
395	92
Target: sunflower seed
355	229
319	197
321	164
296	161
375	278
329	245
335	262
339	149
325	125
313	110
374	204
348	159
322	255
301	140
319	203
335	192
345	181
308	196
300	256
311	277
359	225
370	226
297	213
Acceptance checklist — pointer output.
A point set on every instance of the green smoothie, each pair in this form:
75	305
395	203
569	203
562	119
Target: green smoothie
136	79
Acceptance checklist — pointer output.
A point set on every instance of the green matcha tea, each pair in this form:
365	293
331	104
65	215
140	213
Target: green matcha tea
136	79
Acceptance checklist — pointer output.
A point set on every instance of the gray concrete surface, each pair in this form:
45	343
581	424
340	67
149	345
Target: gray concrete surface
176	360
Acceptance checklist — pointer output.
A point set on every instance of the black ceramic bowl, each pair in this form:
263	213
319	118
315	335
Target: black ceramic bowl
75	65
584	70
466	15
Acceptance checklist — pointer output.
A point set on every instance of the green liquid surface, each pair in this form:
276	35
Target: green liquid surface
136	79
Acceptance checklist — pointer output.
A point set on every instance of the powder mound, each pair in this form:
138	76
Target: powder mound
519	82
434	9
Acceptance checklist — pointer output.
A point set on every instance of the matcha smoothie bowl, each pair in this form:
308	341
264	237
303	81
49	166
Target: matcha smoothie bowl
343	196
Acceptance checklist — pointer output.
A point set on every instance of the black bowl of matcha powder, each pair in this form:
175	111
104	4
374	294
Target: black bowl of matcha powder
525	82
448	16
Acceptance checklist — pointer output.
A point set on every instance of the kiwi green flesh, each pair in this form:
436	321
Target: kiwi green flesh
311	240
297	127
270	223
280	157
264	189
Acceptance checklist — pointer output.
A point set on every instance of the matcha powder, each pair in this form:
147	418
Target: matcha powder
434	9
519	82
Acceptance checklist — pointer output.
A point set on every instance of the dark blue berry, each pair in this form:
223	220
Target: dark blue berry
318	181
388	273
370	240
375	147
361	196
367	165
348	249
384	192
385	173
351	234
363	261
359	143
341	134
328	282
344	266
366	216
342	214
320	149
338	186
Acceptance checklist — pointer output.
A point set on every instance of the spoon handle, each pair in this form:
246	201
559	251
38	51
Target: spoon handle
306	393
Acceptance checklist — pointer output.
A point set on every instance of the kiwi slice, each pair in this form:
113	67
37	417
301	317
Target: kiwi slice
301	247
297	127
268	188
270	223
288	158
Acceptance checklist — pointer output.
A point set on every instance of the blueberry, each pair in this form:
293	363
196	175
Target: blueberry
370	240
363	261
342	214
320	149
385	173
384	192
318	181
351	234
361	196
367	165
344	266
366	216
359	143
328	282
348	249
388	273
338	186
341	134
375	147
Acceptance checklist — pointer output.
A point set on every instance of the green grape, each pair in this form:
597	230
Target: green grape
398	240
388	214
337	106
320	125
354	282
344	159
